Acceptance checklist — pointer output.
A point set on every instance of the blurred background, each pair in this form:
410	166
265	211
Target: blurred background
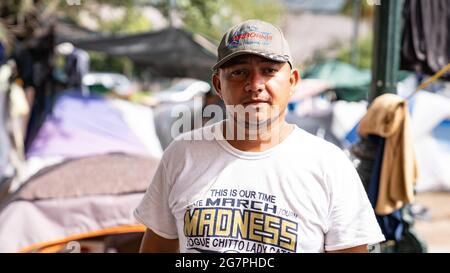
87	91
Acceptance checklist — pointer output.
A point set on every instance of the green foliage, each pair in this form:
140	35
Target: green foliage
367	10
132	21
213	18
364	49
102	62
208	17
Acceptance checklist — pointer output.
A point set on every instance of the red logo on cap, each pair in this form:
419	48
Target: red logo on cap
252	35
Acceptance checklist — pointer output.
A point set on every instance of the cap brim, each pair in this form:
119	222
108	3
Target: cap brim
276	58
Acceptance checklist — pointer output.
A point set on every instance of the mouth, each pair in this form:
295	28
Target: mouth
255	102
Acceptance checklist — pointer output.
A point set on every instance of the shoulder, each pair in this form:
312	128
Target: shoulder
316	146
328	160
189	143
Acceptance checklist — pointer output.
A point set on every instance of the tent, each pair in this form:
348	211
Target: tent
86	171
170	52
79	200
82	126
350	83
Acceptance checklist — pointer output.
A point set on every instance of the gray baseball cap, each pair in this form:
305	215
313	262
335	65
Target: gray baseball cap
253	37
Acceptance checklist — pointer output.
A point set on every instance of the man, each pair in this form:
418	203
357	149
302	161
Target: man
258	184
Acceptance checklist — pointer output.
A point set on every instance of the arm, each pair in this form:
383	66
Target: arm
153	243
356	249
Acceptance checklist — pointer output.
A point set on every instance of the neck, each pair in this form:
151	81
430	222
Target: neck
256	138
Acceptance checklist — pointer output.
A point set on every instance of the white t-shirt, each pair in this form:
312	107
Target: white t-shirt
302	195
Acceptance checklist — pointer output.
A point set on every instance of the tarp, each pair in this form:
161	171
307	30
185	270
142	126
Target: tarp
350	83
83	126
25	224
66	31
431	137
88	176
431	130
171	52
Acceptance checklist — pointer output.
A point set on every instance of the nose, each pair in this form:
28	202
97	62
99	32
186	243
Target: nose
255	82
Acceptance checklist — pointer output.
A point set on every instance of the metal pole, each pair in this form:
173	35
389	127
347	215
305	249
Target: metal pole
356	15
171	6
386	52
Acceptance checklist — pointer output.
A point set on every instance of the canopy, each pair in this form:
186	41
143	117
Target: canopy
68	31
170	52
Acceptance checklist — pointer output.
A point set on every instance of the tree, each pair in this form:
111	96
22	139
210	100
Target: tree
213	18
210	18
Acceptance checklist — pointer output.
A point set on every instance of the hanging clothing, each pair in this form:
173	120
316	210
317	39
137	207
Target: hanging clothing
426	36
13	110
5	143
77	65
392	224
38	61
388	117
2	53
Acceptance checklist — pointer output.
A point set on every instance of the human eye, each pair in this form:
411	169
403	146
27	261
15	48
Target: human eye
270	70
237	73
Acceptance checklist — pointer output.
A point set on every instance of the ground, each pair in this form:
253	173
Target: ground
436	230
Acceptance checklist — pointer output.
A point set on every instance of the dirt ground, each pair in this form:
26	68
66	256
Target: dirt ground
436	230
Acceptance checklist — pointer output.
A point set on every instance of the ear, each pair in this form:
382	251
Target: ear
216	84
294	79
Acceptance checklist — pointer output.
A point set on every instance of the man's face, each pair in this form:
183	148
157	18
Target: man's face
262	86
